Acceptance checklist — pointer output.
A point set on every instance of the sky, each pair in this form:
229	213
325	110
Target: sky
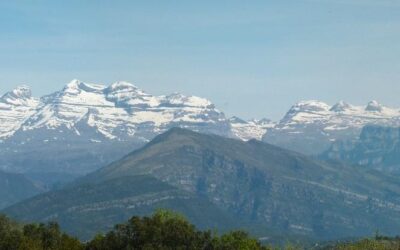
253	59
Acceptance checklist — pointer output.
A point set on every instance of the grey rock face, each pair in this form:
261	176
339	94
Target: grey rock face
377	147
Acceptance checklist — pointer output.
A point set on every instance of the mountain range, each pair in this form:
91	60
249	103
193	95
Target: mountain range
117	112
221	183
94	124
85	126
310	127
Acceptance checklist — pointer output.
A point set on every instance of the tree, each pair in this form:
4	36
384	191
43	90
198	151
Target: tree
168	230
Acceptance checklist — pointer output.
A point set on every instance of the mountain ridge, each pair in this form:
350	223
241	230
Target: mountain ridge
93	119
83	120
255	181
310	127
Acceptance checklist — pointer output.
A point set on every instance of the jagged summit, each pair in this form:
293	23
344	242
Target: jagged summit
20	96
310	105
238	120
120	85
177	99
124	88
374	106
76	86
341	106
15	107
22	91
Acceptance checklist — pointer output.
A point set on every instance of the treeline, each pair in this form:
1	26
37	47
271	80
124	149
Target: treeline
163	230
35	237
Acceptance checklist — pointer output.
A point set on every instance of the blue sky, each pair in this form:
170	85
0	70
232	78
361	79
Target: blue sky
251	58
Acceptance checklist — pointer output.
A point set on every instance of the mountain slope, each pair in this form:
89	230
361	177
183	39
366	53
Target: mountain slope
310	127
257	182
85	210
15	188
282	189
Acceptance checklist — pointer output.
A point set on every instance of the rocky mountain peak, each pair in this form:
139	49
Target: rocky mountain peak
374	106
127	94
309	106
340	106
77	86
235	119
122	86
20	96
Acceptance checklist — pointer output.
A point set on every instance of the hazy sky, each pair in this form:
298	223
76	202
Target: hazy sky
251	58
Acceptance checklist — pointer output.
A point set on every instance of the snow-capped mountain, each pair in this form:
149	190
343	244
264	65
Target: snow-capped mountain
252	129
121	111
15	107
99	123
85	126
311	126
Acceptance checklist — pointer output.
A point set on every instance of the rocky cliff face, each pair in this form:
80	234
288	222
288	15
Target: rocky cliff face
377	147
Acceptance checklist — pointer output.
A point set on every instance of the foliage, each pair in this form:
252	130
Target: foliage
163	230
35	236
377	243
166	230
